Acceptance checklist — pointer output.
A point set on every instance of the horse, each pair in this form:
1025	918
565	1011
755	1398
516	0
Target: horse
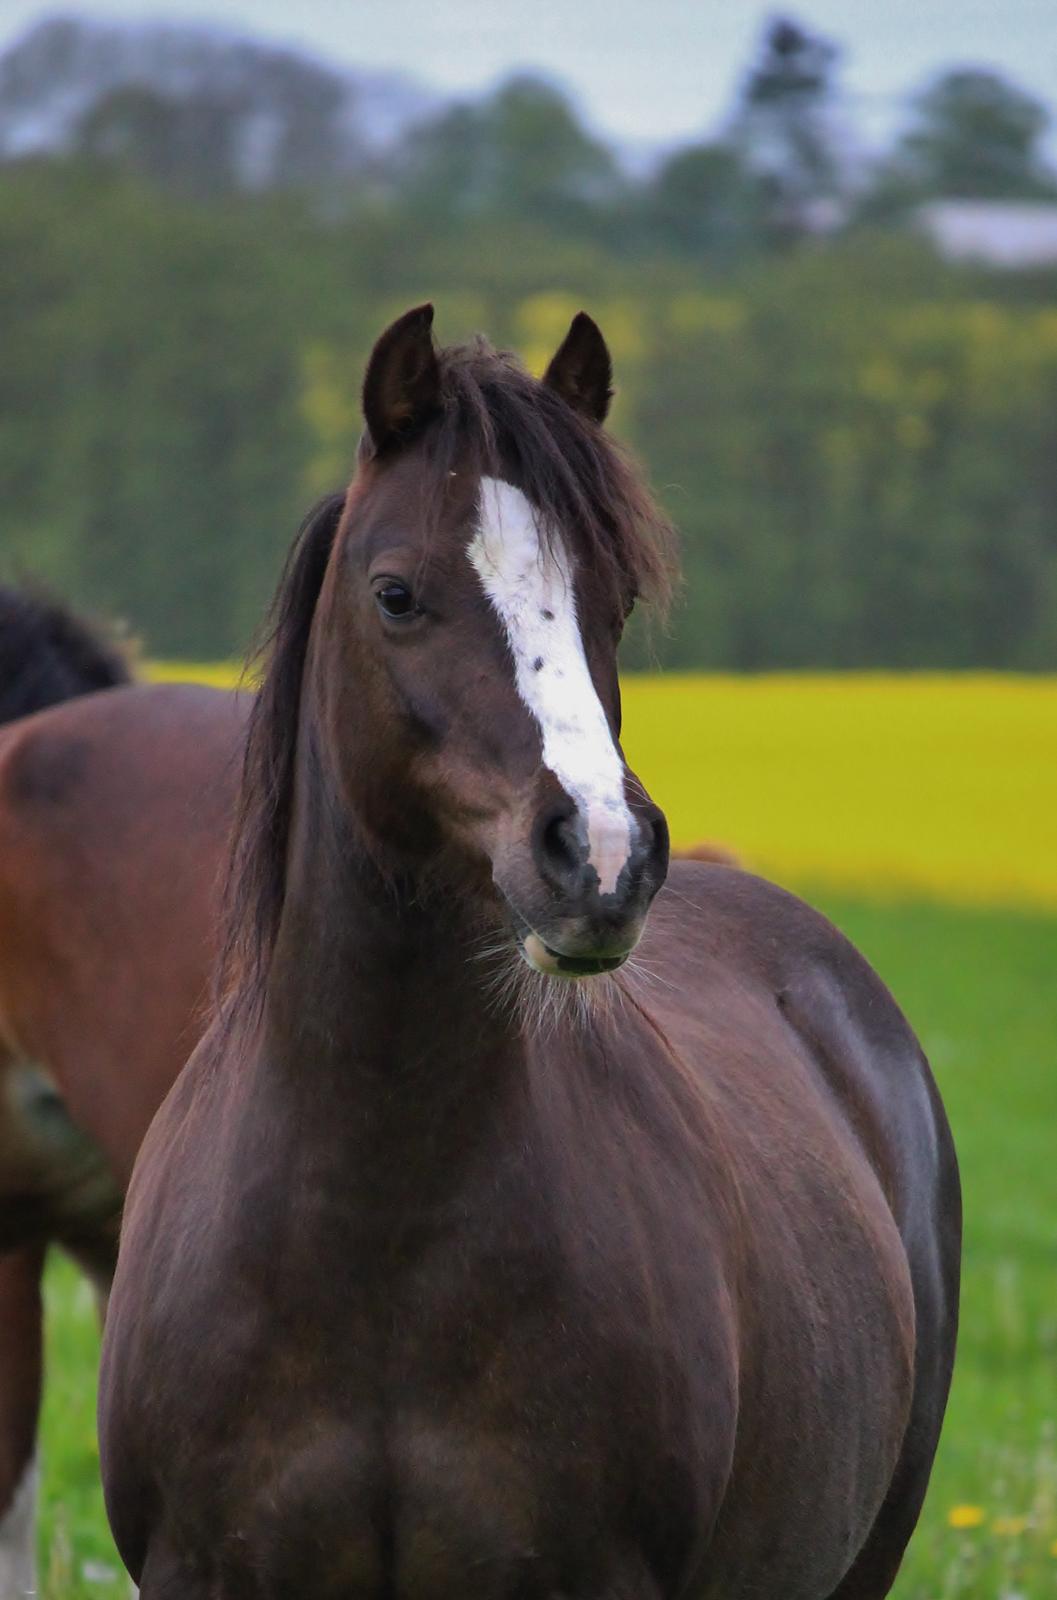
113	811
47	655
79	1083
530	1220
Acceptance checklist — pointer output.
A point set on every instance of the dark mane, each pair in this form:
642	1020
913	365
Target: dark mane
254	893
583	485
47	655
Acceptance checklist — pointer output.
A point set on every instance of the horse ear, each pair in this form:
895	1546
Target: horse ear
401	387
581	370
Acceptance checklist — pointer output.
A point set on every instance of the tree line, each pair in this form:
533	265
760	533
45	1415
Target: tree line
788	160
857	441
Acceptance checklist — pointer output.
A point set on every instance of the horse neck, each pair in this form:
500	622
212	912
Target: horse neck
376	1012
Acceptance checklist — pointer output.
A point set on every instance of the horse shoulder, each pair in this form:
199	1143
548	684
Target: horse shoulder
46	834
114	811
26	769
835	1006
828	1119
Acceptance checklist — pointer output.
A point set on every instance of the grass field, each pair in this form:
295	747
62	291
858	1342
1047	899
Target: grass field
954	794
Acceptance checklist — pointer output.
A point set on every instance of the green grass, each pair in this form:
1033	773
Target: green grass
980	988
76	1554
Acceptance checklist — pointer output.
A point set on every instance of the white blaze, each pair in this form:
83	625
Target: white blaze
18	1540
529	581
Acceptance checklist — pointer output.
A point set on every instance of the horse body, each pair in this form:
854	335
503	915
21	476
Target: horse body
429	1287
114	810
46	655
109	852
505	1321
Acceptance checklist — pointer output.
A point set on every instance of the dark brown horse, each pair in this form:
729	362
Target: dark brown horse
113	817
469	1256
92	906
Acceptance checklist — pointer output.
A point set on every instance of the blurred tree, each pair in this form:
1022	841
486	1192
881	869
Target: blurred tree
975	136
188	145
784	127
704	200
161	480
858	451
200	111
857	442
523	152
212	141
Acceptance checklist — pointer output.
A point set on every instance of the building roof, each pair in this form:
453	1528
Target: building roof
1001	233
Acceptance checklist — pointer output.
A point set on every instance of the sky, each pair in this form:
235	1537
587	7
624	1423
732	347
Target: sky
648	72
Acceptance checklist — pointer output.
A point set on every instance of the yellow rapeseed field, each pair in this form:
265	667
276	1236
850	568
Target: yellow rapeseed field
942	786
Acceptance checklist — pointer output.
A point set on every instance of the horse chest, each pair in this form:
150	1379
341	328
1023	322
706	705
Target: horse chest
429	1507
464	1425
420	1511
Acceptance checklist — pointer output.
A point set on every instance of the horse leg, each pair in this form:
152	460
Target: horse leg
20	1378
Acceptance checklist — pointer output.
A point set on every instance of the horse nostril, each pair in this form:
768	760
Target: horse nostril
650	855
659	846
559	849
559	841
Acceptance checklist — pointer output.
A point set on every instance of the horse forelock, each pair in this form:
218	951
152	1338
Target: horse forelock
584	487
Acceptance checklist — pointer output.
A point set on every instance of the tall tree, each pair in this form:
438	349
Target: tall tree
975	136
186	144
785	127
522	152
704	200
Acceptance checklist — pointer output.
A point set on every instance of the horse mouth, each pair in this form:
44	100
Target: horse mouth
542	958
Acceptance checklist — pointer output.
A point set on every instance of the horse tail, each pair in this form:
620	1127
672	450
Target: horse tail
48	654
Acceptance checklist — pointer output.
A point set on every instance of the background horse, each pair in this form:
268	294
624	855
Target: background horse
47	655
113	814
464	1257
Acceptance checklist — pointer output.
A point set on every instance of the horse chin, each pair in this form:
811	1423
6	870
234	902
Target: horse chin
553	964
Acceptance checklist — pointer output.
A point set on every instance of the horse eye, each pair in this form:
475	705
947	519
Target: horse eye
395	599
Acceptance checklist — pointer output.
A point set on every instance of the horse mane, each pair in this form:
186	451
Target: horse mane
585	488
47	654
583	484
253	896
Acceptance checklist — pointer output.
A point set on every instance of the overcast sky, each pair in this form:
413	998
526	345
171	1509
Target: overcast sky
653	70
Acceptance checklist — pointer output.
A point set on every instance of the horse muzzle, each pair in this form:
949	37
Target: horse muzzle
571	923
